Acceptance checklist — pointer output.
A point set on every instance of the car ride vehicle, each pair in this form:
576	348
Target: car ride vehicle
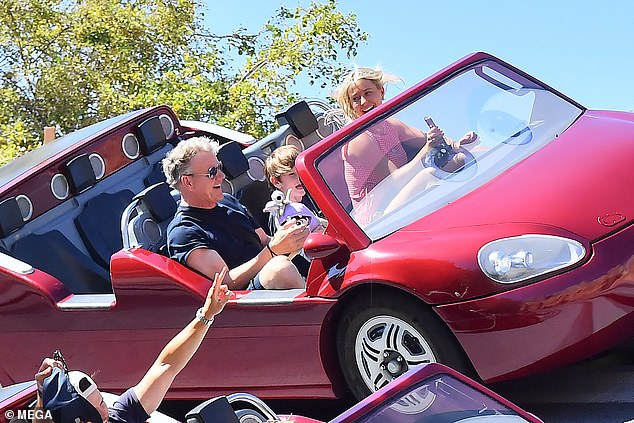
516	263
429	392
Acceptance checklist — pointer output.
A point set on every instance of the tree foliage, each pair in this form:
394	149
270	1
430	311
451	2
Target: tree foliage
70	63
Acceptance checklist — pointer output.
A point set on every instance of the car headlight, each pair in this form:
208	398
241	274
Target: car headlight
518	258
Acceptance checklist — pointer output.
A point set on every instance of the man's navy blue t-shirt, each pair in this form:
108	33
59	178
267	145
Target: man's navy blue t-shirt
227	228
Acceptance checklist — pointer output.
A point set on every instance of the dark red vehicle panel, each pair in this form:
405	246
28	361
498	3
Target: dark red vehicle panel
584	311
525	250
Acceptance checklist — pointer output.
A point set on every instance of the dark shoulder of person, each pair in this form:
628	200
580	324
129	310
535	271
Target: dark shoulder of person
236	206
127	409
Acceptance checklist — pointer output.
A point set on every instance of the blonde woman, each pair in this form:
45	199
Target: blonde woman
379	153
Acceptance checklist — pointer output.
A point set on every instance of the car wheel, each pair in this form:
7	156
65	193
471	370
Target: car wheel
250	416
383	336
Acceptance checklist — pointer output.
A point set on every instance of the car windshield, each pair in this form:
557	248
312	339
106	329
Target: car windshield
512	116
442	399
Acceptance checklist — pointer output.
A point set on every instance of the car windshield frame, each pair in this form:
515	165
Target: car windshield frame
441	397
513	114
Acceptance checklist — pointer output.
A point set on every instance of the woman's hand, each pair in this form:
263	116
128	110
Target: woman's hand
468	138
435	136
432	139
217	296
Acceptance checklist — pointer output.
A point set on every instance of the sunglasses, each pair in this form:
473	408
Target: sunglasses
211	173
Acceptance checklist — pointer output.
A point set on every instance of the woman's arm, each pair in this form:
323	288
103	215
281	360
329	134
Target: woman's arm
154	385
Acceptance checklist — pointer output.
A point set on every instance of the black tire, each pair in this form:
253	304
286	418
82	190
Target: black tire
380	337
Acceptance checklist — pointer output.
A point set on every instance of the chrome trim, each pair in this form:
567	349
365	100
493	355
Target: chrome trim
231	190
15	265
128	154
319	103
294	141
255	402
262	296
87	301
102	164
261	163
169	130
29	205
59	176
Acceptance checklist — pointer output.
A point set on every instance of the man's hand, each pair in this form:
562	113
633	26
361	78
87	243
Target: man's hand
289	238
217	296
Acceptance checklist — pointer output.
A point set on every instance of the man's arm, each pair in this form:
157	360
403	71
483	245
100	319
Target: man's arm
152	388
209	262
288	239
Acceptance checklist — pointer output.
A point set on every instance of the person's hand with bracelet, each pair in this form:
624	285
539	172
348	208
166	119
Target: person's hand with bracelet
289	239
217	296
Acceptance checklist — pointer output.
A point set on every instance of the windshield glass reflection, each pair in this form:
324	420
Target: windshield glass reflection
443	399
383	189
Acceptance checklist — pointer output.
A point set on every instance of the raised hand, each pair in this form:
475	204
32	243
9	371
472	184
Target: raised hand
217	296
46	368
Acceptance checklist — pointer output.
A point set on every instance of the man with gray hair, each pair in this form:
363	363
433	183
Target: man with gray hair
212	229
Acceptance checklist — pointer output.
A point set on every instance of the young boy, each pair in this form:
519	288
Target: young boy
287	198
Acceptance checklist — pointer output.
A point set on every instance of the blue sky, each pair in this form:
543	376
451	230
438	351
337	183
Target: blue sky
582	48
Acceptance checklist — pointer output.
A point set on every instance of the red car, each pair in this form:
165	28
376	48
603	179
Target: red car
516	263
430	392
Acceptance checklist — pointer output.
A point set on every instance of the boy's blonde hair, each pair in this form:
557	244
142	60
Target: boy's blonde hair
281	161
375	75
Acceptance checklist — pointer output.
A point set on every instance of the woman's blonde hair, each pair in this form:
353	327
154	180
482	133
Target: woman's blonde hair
375	75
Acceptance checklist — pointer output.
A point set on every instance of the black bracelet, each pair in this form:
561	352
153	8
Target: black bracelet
270	250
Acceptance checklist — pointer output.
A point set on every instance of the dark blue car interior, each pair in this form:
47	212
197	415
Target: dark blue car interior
131	207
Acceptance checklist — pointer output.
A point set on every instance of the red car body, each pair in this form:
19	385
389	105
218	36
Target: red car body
423	276
430	391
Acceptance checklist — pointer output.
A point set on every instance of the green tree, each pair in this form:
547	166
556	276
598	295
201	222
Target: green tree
70	63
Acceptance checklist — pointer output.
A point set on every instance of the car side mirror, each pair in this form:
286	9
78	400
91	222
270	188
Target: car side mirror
318	246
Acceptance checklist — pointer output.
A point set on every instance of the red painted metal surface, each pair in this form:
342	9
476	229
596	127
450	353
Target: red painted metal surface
289	350
150	309
432	373
554	322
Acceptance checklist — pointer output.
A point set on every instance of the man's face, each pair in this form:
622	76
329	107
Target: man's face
199	189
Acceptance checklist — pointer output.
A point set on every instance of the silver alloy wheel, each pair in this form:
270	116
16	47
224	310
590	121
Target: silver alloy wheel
386	347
